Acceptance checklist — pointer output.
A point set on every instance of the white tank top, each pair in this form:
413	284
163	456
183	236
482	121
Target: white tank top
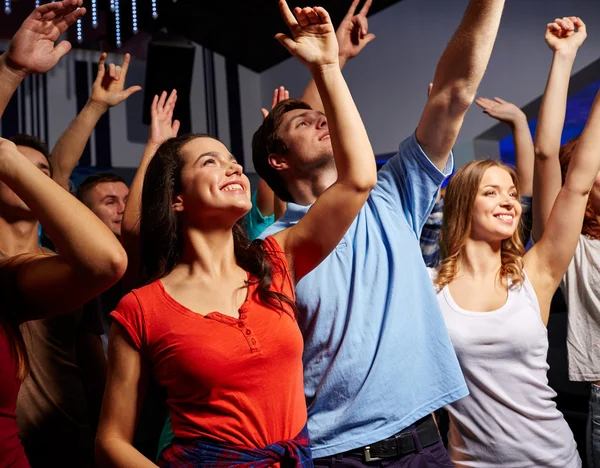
509	420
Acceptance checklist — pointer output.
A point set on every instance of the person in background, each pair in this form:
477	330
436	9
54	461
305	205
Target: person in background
505	112
368	313
59	402
106	195
36	284
196	260
580	283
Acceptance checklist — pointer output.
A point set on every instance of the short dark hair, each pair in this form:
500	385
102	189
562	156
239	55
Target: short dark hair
91	181
32	142
266	141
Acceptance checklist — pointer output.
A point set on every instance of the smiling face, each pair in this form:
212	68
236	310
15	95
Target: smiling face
306	137
213	186
496	208
10	204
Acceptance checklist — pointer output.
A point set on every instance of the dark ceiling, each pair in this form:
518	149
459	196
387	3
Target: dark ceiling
242	30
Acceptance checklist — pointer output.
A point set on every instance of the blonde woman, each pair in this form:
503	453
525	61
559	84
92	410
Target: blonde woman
495	299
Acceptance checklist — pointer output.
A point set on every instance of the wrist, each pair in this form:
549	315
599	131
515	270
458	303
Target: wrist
343	60
96	107
9	72
325	69
566	54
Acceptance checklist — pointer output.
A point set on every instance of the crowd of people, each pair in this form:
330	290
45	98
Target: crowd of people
324	320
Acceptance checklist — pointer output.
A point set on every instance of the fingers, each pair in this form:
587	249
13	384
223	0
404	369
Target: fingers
368	38
581	27
161	101
365	9
312	16
131	90
288	17
61	50
325	19
101	68
286	42
264	112
500	101
54	8
125	66
363	24
275	98
429	88
351	10
170	106
63	23
175	127
154	106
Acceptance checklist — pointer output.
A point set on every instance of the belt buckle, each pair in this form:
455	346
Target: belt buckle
368	457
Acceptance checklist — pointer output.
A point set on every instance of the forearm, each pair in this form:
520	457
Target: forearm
352	150
133	209
9	82
311	93
524	154
585	164
466	57
71	144
547	175
116	452
83	241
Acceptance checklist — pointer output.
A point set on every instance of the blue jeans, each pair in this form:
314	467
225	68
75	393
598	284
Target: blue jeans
593	429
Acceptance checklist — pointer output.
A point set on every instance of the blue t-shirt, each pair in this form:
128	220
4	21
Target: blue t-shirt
377	355
254	221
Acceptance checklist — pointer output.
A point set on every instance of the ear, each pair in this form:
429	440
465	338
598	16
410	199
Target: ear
177	204
278	162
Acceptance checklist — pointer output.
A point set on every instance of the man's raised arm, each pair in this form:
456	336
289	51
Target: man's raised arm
457	78
107	91
32	49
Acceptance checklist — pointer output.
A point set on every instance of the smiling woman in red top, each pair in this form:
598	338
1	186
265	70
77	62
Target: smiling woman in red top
215	322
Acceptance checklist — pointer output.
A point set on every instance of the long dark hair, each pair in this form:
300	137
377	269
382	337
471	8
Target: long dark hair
161	236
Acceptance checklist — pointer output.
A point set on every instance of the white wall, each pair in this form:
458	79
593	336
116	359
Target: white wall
389	80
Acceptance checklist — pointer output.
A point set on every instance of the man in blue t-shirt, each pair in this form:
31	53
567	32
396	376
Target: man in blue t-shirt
378	360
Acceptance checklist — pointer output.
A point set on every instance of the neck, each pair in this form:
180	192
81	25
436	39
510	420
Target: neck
480	259
208	252
306	188
18	237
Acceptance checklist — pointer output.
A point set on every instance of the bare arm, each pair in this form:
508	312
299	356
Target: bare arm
161	129
353	36
107	91
457	78
125	388
551	256
316	235
565	42
91	258
32	49
515	118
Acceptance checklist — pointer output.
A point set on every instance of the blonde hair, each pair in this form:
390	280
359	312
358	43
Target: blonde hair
458	212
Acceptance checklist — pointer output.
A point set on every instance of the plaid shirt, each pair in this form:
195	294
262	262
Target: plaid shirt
430	235
294	453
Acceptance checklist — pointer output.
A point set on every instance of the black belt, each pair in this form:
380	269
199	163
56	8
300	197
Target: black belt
402	443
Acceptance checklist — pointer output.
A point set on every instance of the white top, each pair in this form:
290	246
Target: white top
581	288
509	420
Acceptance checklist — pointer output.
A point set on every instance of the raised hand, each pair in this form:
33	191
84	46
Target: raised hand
314	42
107	90
280	94
566	34
163	127
501	110
353	32
32	49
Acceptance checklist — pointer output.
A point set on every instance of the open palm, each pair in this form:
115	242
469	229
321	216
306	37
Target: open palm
32	49
314	42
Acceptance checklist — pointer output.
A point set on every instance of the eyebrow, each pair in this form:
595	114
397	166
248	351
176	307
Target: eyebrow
498	187
109	197
299	116
214	154
44	166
